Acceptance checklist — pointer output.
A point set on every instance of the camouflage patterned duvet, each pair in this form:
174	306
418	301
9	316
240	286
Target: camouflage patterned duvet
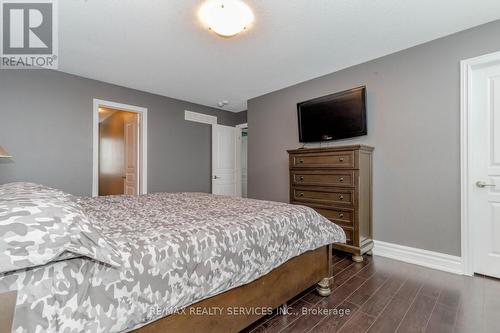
177	249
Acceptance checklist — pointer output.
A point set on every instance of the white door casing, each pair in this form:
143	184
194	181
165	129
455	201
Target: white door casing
481	182
225	160
131	181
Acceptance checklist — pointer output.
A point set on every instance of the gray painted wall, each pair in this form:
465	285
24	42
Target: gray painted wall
46	124
240	118
413	122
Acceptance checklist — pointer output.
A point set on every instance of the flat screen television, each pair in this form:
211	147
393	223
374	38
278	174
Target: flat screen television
336	116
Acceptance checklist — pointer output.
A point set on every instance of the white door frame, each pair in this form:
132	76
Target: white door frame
467	67
143	139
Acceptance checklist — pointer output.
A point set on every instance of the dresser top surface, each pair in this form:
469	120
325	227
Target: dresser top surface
330	149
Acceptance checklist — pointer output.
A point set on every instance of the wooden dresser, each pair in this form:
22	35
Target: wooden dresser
337	183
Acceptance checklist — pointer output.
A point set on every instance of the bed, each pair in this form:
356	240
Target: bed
157	263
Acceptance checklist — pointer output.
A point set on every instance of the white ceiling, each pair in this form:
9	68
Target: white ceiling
159	46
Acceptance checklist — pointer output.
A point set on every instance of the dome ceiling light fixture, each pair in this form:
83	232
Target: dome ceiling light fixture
227	18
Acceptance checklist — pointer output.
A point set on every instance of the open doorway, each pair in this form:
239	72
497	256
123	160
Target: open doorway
119	149
244	154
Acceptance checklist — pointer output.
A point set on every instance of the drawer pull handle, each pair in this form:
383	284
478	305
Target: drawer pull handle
300	194
301	161
341	215
301	178
341	159
341	179
341	197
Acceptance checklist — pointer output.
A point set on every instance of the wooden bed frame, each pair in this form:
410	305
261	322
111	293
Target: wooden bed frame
237	308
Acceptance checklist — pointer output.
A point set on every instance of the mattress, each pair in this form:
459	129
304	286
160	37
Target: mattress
177	249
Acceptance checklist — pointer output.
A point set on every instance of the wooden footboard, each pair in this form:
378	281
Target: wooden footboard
237	308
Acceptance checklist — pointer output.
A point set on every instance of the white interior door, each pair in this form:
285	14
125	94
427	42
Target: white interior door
484	173
131	183
225	164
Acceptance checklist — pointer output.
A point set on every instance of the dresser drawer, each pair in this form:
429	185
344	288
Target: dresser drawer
344	159
322	196
325	178
341	217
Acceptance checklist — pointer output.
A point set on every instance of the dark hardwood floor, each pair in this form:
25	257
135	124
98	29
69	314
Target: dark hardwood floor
384	295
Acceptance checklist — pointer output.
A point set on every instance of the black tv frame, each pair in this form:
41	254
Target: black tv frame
364	130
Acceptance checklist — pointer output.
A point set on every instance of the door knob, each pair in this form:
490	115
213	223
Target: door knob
483	184
216	177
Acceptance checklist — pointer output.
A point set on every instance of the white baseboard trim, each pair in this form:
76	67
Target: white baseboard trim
430	259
